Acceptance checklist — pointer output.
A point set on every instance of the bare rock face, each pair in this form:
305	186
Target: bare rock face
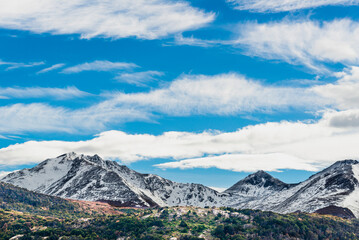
336	211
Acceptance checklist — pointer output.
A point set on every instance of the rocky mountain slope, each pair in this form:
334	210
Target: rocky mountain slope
94	179
13	198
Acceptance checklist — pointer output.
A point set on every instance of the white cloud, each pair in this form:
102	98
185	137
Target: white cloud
37	117
146	19
40	92
344	92
4	173
15	65
270	146
103	66
223	94
309	43
244	162
344	119
192	41
286	5
53	67
138	78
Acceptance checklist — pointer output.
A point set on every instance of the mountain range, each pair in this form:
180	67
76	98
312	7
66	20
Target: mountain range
81	177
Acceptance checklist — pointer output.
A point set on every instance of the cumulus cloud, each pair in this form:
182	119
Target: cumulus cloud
344	119
100	66
286	5
139	78
222	94
15	65
41	92
269	146
53	67
145	19
310	43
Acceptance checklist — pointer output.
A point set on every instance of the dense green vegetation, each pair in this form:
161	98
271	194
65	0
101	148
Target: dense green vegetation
268	225
29	215
182	223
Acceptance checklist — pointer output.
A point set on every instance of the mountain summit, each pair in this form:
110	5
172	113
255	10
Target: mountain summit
257	180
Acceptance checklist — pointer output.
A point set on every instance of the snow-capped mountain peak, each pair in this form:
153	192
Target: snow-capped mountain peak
259	179
84	177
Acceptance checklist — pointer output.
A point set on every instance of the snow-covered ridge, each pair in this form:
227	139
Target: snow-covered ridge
91	178
82	177
336	185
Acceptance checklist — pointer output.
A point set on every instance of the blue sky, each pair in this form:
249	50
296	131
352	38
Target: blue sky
195	91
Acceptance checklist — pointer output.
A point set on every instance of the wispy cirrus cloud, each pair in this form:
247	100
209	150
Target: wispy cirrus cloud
138	78
189	95
223	94
52	68
226	94
286	5
39	117
145	19
15	65
192	41
100	66
313	44
41	92
309	43
3	137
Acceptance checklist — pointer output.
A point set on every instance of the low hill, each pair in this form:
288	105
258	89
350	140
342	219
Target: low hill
22	200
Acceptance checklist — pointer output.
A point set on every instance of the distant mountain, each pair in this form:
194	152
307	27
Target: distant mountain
259	179
256	191
336	185
91	178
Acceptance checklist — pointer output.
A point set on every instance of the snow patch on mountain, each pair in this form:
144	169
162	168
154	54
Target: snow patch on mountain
352	201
